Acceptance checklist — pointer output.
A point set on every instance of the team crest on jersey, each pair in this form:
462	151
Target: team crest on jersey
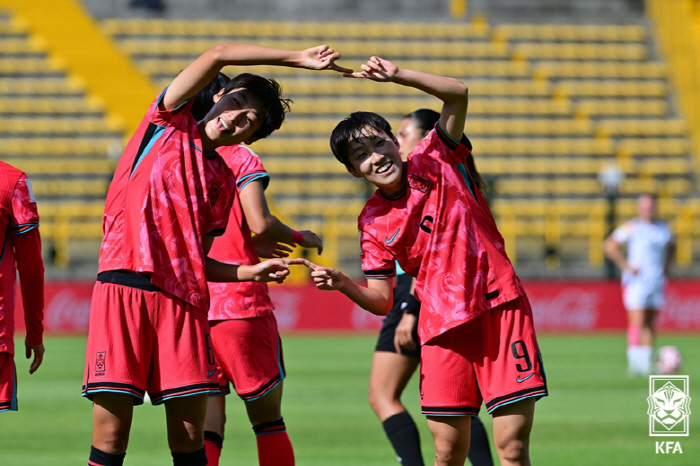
214	193
100	363
418	183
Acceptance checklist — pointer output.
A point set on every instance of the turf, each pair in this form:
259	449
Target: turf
595	414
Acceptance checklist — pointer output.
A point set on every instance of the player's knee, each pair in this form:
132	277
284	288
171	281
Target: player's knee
375	401
385	406
513	451
186	440
449	454
112	445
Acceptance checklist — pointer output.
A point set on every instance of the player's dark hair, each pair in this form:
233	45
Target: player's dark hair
425	117
426	120
203	101
352	128
269	93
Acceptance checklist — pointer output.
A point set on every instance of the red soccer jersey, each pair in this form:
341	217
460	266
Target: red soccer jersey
21	249
242	299
440	231
167	193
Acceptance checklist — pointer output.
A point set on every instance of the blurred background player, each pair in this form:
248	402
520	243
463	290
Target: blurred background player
21	252
397	353
170	196
476	331
650	247
246	343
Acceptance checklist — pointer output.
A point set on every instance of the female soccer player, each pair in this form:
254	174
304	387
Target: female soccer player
171	195
475	327
21	252
397	353
650	248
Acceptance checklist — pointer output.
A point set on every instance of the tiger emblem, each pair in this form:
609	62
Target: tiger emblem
668	405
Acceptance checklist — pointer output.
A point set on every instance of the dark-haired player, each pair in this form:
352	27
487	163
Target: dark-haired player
476	331
170	197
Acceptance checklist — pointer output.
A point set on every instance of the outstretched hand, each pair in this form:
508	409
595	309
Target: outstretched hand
322	57
311	240
376	69
325	278
273	270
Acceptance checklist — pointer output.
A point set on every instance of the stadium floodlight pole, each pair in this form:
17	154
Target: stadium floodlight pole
610	177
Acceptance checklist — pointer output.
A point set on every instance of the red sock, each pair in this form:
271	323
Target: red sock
274	446
212	446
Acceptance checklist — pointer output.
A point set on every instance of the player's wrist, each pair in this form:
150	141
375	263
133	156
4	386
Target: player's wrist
412	306
297	237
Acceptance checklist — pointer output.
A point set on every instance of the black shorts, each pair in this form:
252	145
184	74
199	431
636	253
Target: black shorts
391	321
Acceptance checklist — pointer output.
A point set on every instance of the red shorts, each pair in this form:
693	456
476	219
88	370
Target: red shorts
142	341
492	359
249	355
8	383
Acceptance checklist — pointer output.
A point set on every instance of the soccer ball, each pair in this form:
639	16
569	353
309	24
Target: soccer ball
668	359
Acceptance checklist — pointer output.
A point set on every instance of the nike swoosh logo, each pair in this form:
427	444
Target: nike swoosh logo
214	372
519	380
389	240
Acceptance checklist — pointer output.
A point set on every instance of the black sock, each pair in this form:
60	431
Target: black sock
196	458
100	458
479	450
403	435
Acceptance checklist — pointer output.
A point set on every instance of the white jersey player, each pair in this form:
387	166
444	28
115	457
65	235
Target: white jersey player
650	247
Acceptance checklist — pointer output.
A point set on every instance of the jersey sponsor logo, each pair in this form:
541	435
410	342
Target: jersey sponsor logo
100	363
393	237
523	379
419	184
211	372
214	193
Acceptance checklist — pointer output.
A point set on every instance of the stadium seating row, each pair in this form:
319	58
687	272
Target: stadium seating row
63	147
40	86
351	49
44	125
571	32
326	30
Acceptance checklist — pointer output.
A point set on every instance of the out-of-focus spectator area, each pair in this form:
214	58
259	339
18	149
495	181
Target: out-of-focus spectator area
551	106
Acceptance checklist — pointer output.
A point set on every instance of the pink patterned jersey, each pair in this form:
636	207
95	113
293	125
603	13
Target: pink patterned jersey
242	299
440	231
166	194
20	249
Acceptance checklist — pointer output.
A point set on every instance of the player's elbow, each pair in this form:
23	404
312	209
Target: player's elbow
263	225
461	91
382	308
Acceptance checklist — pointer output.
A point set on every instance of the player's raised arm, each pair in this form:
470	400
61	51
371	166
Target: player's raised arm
452	92
263	223
376	297
202	70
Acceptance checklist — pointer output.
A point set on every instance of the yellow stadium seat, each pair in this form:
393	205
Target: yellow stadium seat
611	88
600	69
578	51
571	32
642	127
621	106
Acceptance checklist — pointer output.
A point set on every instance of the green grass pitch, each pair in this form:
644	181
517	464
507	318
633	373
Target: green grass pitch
595	414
